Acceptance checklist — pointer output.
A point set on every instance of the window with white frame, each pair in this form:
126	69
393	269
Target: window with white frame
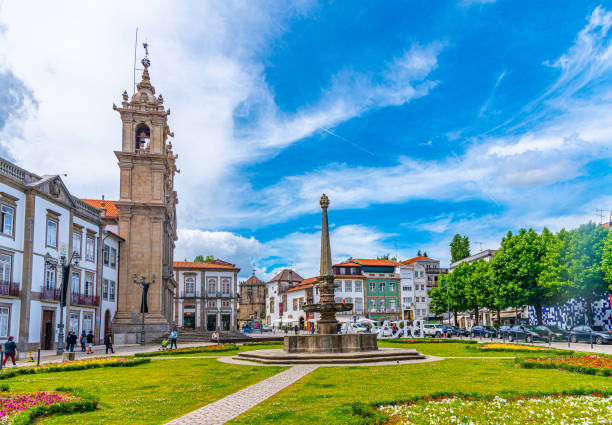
6	262
225	303
190	285
372	304
382	303
211	304
5	313
348	286
76	282
392	305
105	289
51	232
7	220
90	249
372	287
87	322
73	324
89	284
358	305
226	286
113	258
50	275
382	286
106	255
212	286
77	239
342	270
358	286
391	286
337	285
111	295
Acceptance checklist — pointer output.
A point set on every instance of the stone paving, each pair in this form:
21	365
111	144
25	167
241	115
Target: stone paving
233	405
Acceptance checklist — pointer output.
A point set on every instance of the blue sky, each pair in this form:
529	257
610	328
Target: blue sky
418	119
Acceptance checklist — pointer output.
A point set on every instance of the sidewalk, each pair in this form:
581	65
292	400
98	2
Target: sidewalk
50	356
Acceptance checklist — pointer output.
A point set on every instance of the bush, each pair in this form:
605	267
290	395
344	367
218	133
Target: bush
516	348
190	350
428	340
70	366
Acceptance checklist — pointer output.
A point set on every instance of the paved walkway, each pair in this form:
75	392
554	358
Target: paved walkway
233	405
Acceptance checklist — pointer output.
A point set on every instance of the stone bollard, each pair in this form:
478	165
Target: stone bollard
68	356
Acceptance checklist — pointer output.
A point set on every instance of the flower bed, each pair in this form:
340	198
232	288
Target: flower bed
428	340
76	365
190	350
516	348
22	409
590	364
453	409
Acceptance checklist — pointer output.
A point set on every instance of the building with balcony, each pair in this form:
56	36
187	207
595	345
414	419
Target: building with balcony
276	296
350	284
207	295
299	295
418	275
40	222
381	289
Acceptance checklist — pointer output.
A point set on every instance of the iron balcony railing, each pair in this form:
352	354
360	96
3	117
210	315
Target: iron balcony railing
84	299
49	294
218	294
9	289
190	294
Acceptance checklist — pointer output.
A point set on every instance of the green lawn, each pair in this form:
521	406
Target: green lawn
333	389
231	352
147	394
458	349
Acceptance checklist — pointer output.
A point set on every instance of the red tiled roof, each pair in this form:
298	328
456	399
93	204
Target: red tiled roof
199	265
346	264
373	262
110	207
116	235
415	259
305	284
287	275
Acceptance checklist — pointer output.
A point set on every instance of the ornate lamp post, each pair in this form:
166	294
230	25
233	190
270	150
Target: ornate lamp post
65	267
143	303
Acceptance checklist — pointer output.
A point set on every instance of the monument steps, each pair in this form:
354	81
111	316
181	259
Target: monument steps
377	356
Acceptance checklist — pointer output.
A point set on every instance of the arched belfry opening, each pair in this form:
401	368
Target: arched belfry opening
143	137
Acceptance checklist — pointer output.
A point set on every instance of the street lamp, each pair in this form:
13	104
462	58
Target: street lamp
65	267
143	302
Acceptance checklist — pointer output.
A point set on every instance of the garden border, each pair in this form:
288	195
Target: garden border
31	370
562	366
191	350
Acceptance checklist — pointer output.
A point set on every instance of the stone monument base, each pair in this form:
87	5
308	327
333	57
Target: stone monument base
127	328
380	356
330	343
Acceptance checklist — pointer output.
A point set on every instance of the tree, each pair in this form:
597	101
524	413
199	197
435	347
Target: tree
383	257
450	292
460	248
425	254
584	265
517	266
606	263
201	259
419	253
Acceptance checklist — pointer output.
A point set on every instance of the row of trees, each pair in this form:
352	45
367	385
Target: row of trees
529	269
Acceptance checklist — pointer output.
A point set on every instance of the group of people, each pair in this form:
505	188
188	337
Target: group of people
87	342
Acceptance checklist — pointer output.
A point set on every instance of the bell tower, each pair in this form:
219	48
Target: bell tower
147	213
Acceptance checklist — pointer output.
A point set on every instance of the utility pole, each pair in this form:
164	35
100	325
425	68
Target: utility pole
600	212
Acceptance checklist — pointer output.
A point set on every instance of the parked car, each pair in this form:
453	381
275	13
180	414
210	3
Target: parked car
555	333
454	331
524	333
266	328
432	330
599	334
503	331
483	331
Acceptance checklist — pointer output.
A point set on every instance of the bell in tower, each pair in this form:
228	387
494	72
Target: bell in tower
147	211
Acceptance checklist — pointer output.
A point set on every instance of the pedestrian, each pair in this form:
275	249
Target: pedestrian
9	350
295	329
108	342
312	329
173	338
72	339
215	337
83	341
90	340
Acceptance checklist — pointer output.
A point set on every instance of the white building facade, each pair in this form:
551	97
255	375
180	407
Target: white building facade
417	276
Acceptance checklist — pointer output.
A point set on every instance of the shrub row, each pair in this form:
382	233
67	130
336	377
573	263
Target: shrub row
190	350
70	366
520	349
428	340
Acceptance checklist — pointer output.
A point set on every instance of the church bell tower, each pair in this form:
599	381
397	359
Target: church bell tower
147	214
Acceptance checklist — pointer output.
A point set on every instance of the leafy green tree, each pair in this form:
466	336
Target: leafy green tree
425	254
419	253
606	263
383	257
201	259
584	265
517	266
460	248
450	292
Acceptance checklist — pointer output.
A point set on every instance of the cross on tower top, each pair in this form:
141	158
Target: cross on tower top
145	61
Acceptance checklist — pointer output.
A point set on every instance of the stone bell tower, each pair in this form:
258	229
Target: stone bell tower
147	214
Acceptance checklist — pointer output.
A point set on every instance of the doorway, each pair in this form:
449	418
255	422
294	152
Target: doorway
48	335
189	320
225	322
211	322
107	322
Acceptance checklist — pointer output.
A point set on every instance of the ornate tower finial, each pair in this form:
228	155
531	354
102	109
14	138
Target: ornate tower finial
145	61
326	262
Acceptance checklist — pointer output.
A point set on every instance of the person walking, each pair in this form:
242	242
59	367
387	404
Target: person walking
108	342
71	340
173	338
90	340
215	337
9	350
83	341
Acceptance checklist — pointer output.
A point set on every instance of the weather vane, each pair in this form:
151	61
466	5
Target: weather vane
146	62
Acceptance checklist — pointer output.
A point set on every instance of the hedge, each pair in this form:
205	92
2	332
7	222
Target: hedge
429	340
192	350
65	367
87	403
520	349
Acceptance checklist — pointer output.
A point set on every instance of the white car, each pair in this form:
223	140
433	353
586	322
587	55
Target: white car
432	330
